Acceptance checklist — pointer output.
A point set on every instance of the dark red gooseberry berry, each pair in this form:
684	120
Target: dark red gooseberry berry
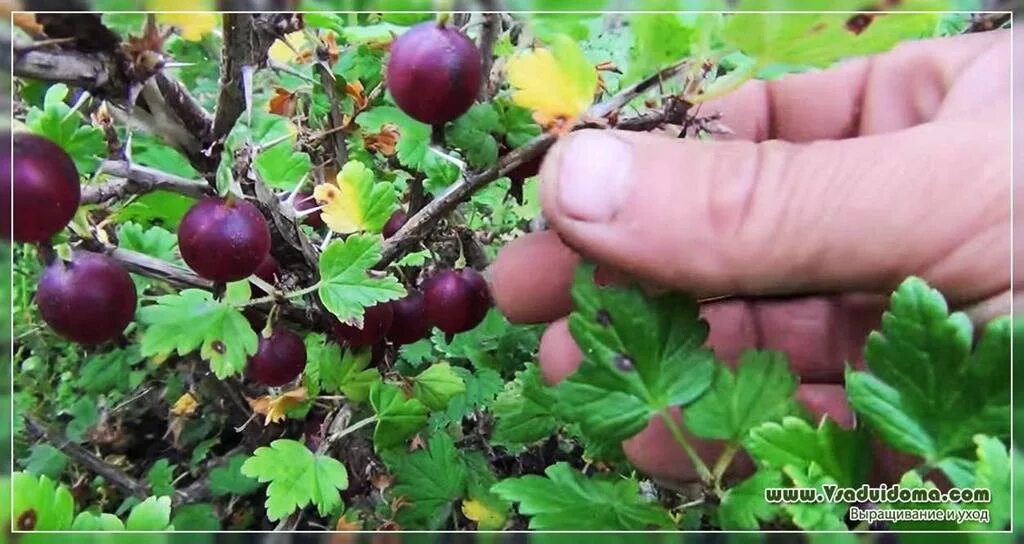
223	239
376	322
395	222
433	73
456	300
410	323
46	188
280	358
89	300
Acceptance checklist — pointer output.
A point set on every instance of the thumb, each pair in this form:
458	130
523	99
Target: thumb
731	218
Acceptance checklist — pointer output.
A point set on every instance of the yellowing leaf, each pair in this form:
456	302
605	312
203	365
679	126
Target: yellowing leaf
357	202
285	50
275	408
191	24
185	405
558	84
486	518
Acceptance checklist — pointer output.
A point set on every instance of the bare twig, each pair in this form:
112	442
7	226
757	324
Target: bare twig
489	30
337	133
421	223
236	56
247	38
97	73
153	267
135	179
192	115
86	458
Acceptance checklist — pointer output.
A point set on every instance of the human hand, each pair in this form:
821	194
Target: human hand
834	187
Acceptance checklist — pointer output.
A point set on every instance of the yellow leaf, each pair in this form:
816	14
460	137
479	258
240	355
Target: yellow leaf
185	405
275	408
343	204
486	518
286	50
558	84
192	25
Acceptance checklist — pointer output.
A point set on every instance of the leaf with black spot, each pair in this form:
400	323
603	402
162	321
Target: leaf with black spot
192	320
641	355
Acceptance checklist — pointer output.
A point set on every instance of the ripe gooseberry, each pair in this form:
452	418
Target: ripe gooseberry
376	322
223	239
278	360
410	322
46	188
395	222
456	300
434	72
89	300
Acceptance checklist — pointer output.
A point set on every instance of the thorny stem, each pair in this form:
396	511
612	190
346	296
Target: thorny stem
287	296
677	433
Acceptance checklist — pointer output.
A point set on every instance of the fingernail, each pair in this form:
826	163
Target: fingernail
594	176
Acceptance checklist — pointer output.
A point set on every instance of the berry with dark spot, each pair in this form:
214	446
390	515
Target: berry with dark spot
89	300
376	322
46	188
434	73
456	300
410	322
280	358
224	239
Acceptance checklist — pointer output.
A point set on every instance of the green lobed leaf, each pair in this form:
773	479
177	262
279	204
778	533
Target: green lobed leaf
993	473
436	385
150	151
192	319
814	516
40	504
89	521
398	417
430	479
926	393
743	505
353	378
161	477
154	241
196	517
346	287
795	443
473	134
659	40
297	477
819	39
83	143
641	356
568	500
281	167
45	460
482	385
525	411
152	514
229	480
761	390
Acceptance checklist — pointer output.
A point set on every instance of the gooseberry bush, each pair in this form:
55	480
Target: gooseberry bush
249	289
